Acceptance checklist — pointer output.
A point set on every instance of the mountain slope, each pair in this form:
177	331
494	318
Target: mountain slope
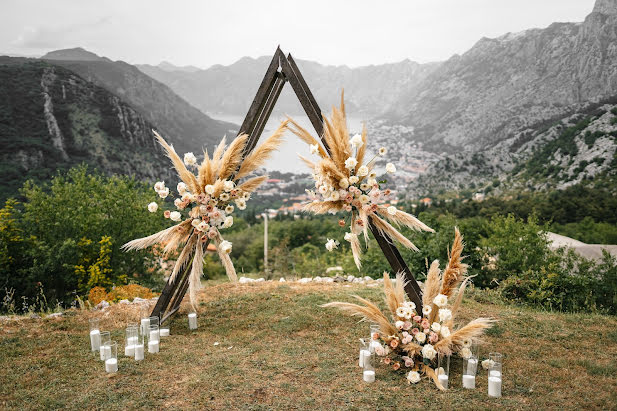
184	125
52	119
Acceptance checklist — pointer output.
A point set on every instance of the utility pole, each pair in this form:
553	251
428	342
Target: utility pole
265	216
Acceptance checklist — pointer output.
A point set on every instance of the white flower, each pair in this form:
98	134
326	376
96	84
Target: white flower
228	185
343	183
203	226
314	148
229	209
390	168
246	196
364	186
195	222
421	337
383	151
190	159
371	182
175	216
465	352
353	179
323	189
364	199
399	324
225	247
350	163
331	244
152	207
379	350
159	185
241	204
445	331
209	189
426	310
401	312
164	192
488	363
428	351
334	196
224	196
444	314
436	327
372	174
362	171
410	304
178	203
203	209
229	221
440	300
441	371
413	377
356	140
467	342
181	187
349	236
391	210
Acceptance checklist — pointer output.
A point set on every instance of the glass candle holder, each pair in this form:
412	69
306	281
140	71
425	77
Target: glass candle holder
165	330
495	374
443	369
192	321
144	323
374	337
111	362
139	348
153	339
105	342
95	334
368	367
130	340
364	351
470	368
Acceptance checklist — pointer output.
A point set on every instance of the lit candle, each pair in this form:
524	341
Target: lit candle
369	376
472	366
363	354
95	340
443	380
494	386
139	352
145	325
469	381
111	365
153	346
105	352
164	332
193	321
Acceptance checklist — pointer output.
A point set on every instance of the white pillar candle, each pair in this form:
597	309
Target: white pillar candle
164	332
494	386
105	352
129	350
472	366
139	352
132	340
369	376
153	346
111	365
95	340
154	335
443	379
363	354
145	325
193	321
494	373
469	381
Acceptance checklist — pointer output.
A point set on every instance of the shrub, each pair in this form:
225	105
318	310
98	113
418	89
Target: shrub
129	292
96	295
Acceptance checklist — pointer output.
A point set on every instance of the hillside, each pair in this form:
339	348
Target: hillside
51	119
289	353
184	125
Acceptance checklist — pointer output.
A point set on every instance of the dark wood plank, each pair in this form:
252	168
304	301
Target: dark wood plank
307	91
267	111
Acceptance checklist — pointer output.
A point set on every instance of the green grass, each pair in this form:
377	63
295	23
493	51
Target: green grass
279	349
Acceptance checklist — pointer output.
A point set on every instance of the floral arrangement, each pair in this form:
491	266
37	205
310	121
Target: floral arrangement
206	202
344	183
411	339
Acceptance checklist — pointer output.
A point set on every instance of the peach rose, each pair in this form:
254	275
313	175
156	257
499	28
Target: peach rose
408	362
415	331
417	318
386	361
407	325
433	337
167	213
394	343
396	366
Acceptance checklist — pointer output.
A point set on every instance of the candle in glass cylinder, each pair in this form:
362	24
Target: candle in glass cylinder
164	332
145	325
139	349
193	321
131	340
95	334
494	387
495	375
443	369
368	373
105	342
111	362
469	381
472	366
153	339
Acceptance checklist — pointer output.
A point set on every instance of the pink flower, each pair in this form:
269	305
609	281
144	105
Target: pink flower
349	198
348	208
233	193
203	238
205	218
408	362
407	325
212	233
405	333
375	336
433	337
387	192
394	343
426	330
386	360
209	208
417	319
167	213
425	323
201	198
373	208
396	366
375	193
415	331
216	215
407	339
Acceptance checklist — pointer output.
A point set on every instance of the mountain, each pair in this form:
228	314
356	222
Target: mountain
52	119
508	83
167	66
184	125
369	90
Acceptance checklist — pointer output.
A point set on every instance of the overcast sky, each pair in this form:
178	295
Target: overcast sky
203	33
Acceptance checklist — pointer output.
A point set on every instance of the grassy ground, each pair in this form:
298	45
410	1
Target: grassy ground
279	349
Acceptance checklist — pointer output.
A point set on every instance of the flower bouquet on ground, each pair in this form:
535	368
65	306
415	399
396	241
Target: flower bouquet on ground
344	183
411	340
206	202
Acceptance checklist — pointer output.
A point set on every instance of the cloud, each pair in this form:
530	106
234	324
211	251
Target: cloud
56	37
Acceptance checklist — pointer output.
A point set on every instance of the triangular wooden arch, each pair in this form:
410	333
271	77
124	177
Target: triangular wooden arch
282	69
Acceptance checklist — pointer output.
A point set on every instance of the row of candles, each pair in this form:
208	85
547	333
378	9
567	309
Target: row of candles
147	333
367	360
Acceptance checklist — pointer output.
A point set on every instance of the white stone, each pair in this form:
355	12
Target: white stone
282	280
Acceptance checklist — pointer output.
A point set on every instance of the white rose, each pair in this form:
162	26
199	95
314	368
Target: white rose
362	171
390	168
350	163
209	189
195	222
225	247
343	183
190	159
445	331
383	151
229	209
159	186
371	182
440	300
334	196
413	377
175	216
228	185
488	363
314	148
181	187
349	236
391	210
426	310
364	199
445	314
356	140
164	192
353	179
428	351
436	327
399	324
203	210
331	244
152	207
421	337
323	189
465	353
203	226
229	221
